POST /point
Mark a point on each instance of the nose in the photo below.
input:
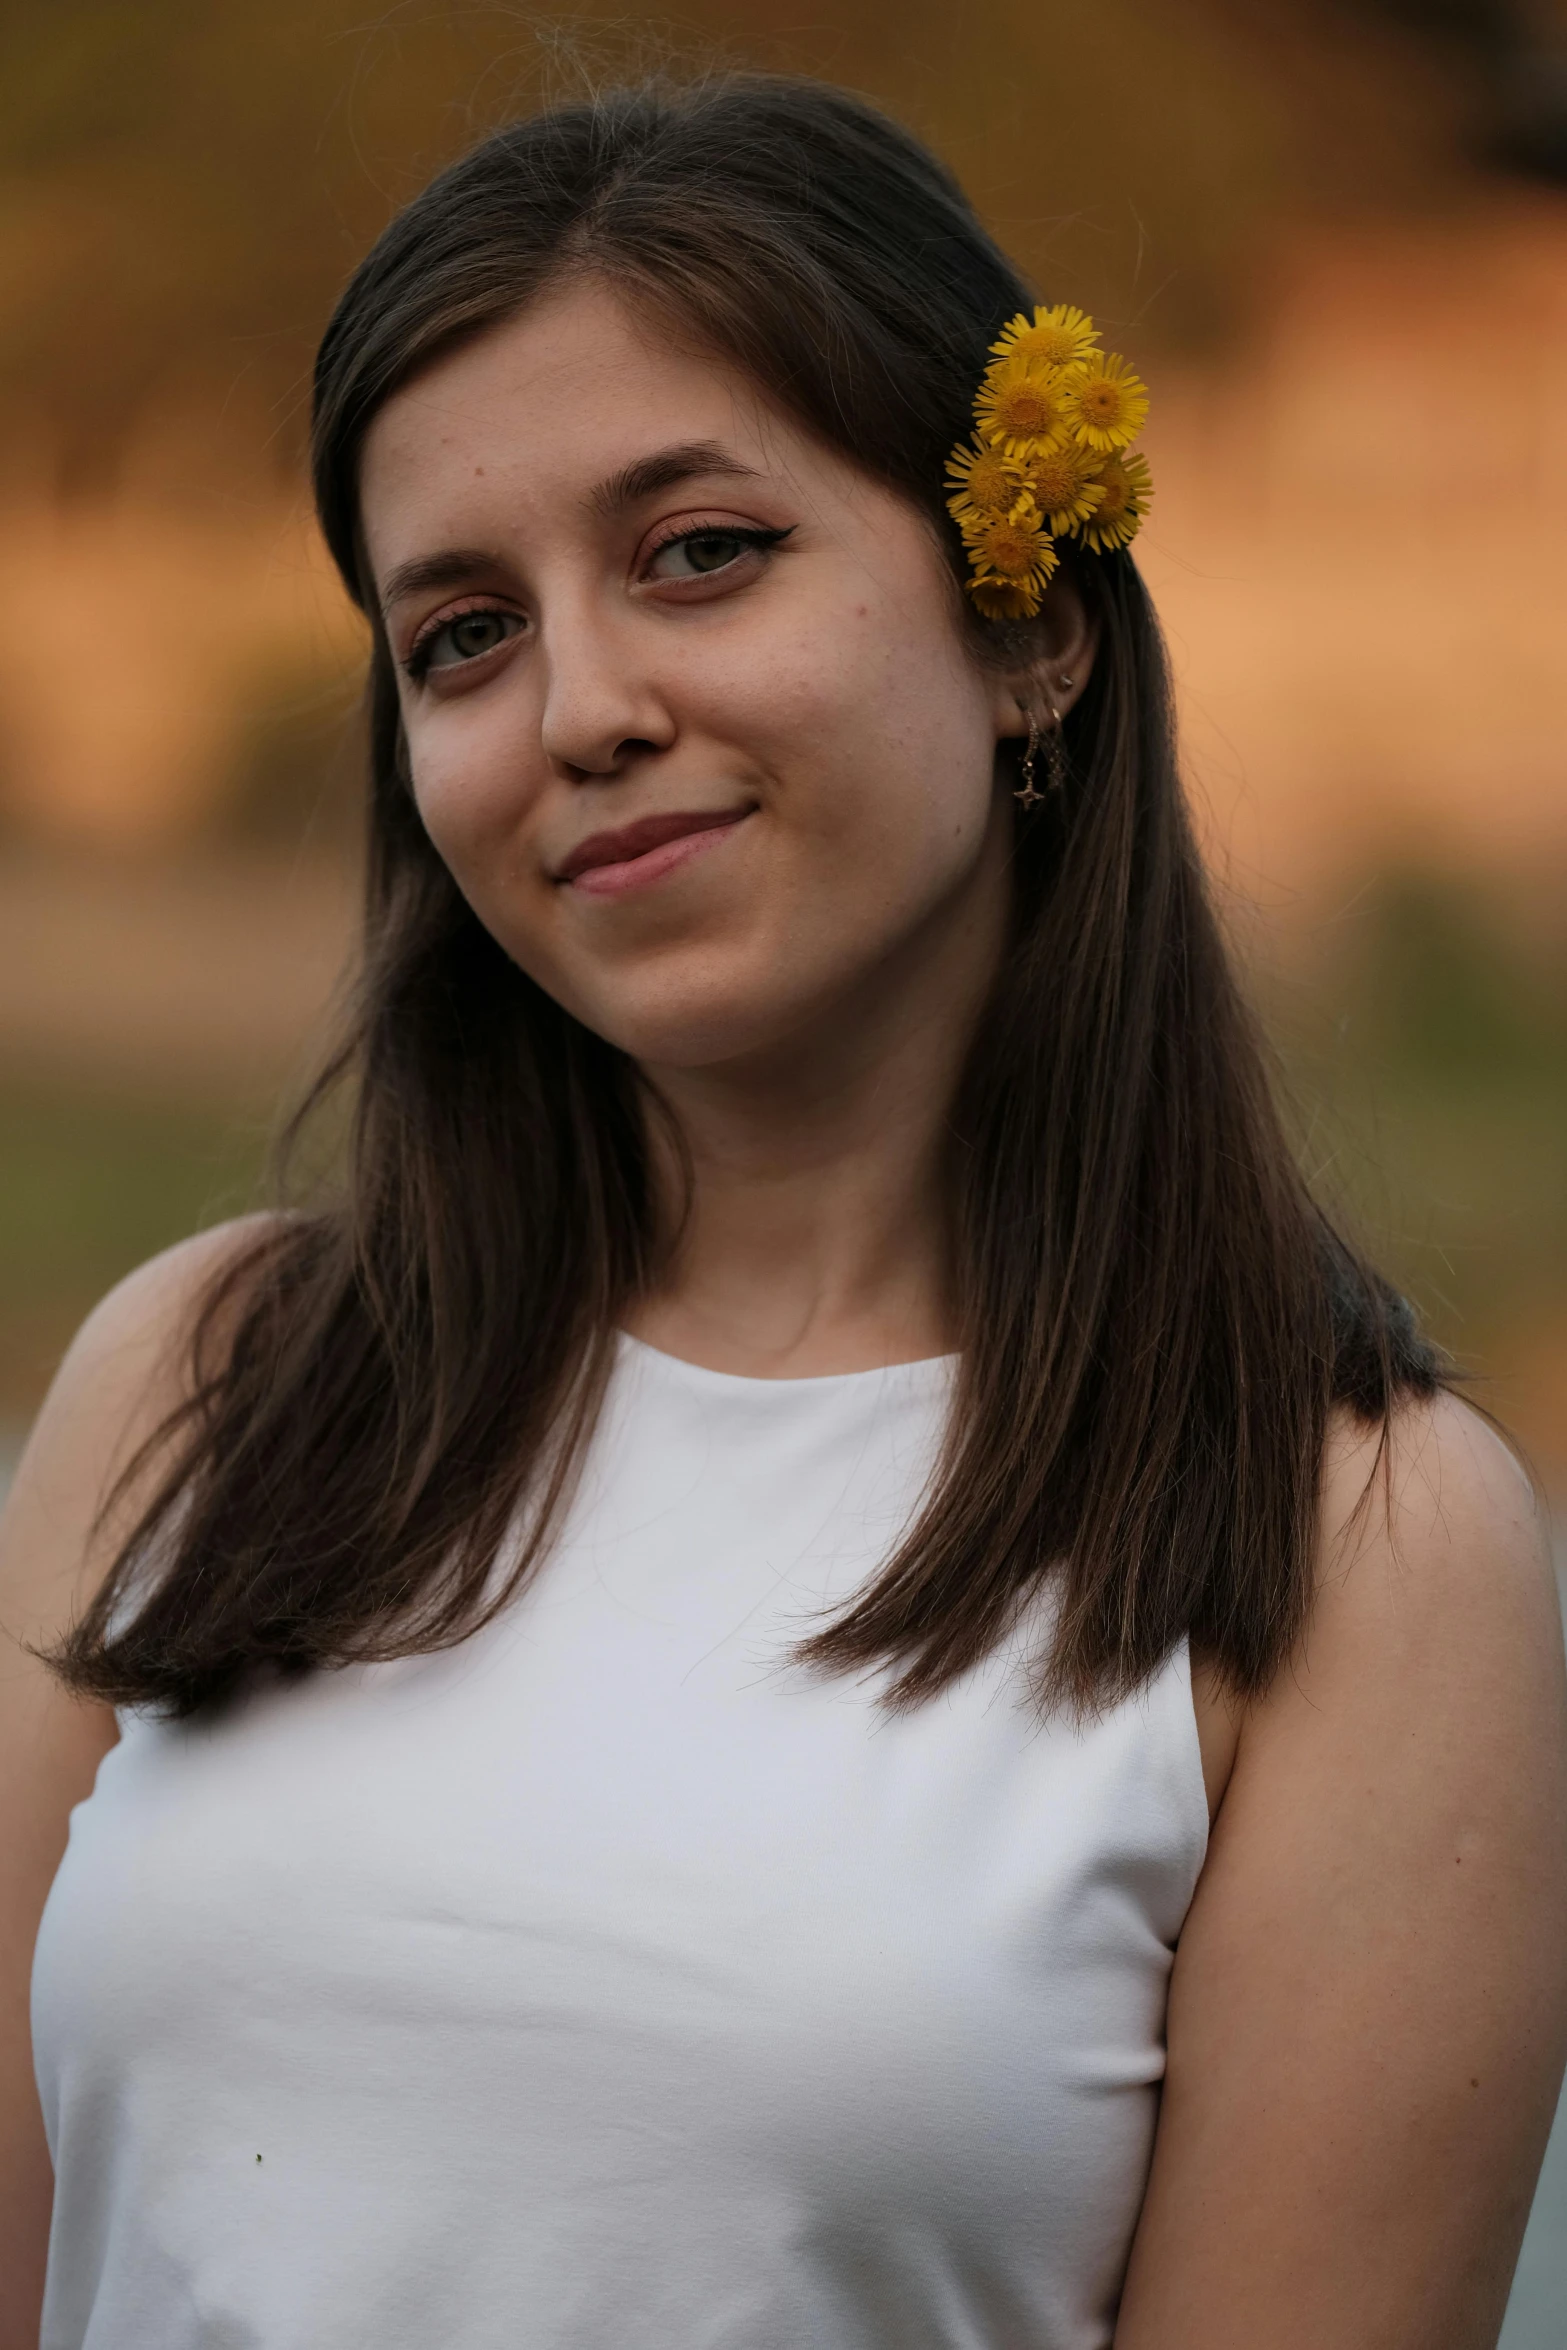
(600, 712)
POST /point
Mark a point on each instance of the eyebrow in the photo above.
(681, 461)
(663, 469)
(436, 571)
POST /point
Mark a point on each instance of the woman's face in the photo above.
(689, 711)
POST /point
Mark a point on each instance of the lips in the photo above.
(611, 854)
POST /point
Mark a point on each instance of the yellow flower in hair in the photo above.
(1116, 520)
(1062, 337)
(1004, 603)
(1014, 550)
(1018, 405)
(1064, 484)
(1051, 458)
(1106, 404)
(985, 481)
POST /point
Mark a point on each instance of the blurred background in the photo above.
(1332, 232)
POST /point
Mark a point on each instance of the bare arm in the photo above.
(116, 1383)
(1368, 2015)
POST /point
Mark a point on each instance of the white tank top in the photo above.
(608, 1982)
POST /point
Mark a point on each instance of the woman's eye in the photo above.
(701, 552)
(464, 639)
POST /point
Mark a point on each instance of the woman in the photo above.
(692, 1648)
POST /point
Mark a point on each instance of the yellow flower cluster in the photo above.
(1051, 457)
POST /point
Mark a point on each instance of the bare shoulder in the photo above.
(120, 1378)
(1434, 1560)
(1446, 1476)
(1426, 1702)
(1431, 1541)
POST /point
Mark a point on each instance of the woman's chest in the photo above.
(565, 1866)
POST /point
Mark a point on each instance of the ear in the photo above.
(1064, 638)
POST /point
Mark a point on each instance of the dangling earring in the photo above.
(1030, 795)
(1055, 751)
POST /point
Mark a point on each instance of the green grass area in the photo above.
(1426, 1055)
(91, 1183)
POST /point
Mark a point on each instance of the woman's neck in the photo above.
(824, 1252)
(817, 1238)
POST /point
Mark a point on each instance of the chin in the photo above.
(721, 1011)
(701, 1035)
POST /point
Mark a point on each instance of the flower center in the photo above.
(988, 484)
(1026, 408)
(1011, 552)
(1054, 481)
(1053, 344)
(1101, 401)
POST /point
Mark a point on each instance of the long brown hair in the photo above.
(1156, 1321)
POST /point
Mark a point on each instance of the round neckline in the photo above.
(754, 1383)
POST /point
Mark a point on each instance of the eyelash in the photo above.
(755, 537)
(758, 539)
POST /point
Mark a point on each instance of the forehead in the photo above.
(546, 406)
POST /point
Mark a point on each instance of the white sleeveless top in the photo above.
(609, 1983)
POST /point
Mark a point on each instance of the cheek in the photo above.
(878, 738)
(892, 753)
(872, 716)
(474, 781)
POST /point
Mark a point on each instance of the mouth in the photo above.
(607, 864)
